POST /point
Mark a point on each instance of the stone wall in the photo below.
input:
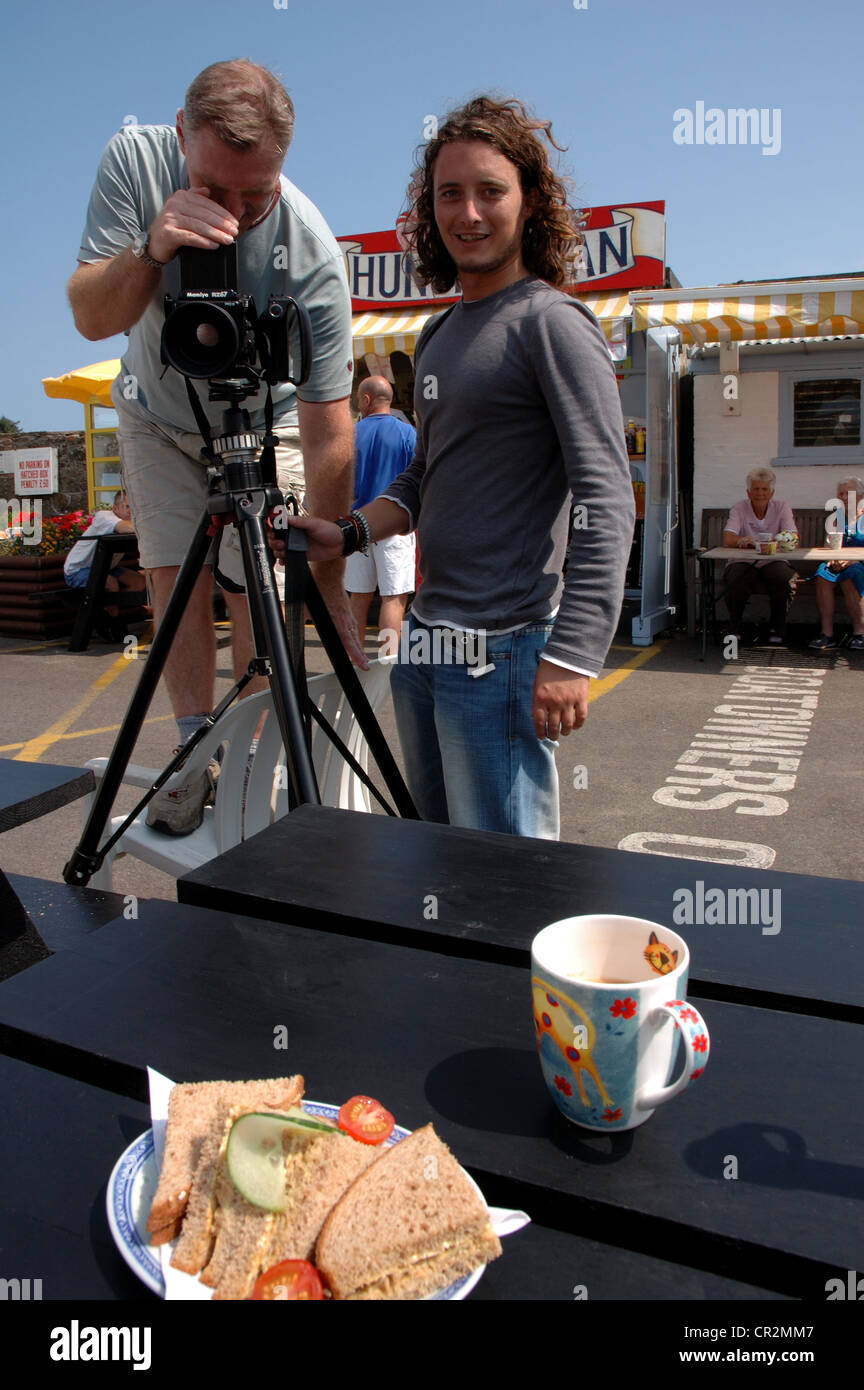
(72, 468)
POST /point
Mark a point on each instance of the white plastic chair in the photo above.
(252, 788)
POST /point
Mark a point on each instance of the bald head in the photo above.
(374, 396)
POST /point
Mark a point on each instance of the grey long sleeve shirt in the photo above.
(518, 418)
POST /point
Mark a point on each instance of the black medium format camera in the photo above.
(213, 331)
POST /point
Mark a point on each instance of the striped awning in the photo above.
(386, 333)
(613, 312)
(732, 313)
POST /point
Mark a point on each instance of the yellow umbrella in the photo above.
(84, 384)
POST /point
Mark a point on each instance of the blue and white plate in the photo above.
(134, 1180)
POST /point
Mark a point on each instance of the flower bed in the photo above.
(57, 535)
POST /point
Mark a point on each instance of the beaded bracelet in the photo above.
(366, 538)
(355, 533)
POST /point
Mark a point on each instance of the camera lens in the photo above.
(200, 340)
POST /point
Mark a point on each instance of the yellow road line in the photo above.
(32, 750)
(41, 647)
(86, 733)
(602, 687)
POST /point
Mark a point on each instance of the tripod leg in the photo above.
(85, 858)
(267, 620)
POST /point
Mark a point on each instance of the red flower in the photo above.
(697, 1072)
(623, 1008)
(689, 1016)
(563, 1085)
(611, 1115)
(700, 1043)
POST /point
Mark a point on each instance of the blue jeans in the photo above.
(472, 757)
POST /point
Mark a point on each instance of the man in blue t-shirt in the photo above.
(384, 447)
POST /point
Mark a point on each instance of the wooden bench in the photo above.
(810, 522)
(92, 600)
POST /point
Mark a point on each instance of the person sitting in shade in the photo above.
(76, 570)
(847, 576)
(759, 514)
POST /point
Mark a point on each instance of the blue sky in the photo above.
(363, 76)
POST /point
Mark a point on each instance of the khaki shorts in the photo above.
(166, 482)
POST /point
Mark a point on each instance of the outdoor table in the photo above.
(473, 893)
(652, 1213)
(28, 791)
(816, 554)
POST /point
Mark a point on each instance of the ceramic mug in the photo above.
(609, 1010)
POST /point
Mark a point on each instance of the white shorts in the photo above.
(389, 567)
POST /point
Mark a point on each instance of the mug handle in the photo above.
(696, 1048)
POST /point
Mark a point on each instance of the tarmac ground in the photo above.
(748, 759)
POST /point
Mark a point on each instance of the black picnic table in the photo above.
(28, 791)
(746, 1189)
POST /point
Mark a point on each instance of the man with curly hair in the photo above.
(518, 416)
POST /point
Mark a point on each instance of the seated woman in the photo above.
(845, 575)
(757, 514)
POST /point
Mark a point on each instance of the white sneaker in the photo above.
(180, 809)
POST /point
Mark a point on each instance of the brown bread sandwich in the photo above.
(408, 1226)
(192, 1111)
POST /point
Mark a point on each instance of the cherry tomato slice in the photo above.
(288, 1280)
(365, 1119)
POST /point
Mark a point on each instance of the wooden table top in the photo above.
(484, 895)
(29, 790)
(813, 552)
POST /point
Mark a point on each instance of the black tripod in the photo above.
(242, 489)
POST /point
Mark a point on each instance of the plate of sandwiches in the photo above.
(400, 1219)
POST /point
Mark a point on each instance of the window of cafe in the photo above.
(820, 416)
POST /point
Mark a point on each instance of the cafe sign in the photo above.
(625, 248)
(35, 470)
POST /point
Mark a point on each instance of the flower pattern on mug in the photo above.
(563, 1085)
(623, 1008)
(700, 1043)
(611, 1115)
(697, 1072)
(689, 1016)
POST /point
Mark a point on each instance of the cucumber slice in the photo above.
(255, 1154)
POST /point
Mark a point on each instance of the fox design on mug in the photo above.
(552, 1022)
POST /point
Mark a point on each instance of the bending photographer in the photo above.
(213, 179)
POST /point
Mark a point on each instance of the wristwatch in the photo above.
(139, 251)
